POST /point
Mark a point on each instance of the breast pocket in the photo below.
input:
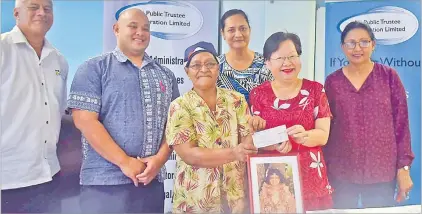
(165, 90)
(55, 79)
(59, 86)
(164, 96)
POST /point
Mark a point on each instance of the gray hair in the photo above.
(19, 3)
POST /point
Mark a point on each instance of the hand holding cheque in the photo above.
(270, 139)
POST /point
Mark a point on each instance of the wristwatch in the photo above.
(407, 168)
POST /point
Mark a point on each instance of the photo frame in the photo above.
(275, 184)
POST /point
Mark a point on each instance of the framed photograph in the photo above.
(274, 184)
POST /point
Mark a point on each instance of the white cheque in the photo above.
(270, 137)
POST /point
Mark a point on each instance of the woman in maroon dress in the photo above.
(302, 106)
(369, 149)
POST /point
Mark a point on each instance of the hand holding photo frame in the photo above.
(274, 184)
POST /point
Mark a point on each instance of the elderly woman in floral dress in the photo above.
(208, 129)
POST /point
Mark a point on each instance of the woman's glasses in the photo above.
(281, 60)
(209, 65)
(362, 44)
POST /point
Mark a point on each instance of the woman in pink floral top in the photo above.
(302, 106)
(369, 146)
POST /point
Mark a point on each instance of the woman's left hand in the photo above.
(299, 134)
(404, 182)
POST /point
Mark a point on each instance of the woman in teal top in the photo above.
(241, 69)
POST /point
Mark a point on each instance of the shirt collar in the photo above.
(121, 57)
(200, 102)
(19, 37)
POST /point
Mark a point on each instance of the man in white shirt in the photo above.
(32, 102)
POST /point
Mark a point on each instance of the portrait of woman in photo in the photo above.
(275, 195)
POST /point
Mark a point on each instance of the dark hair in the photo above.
(268, 172)
(232, 12)
(274, 41)
(272, 171)
(357, 25)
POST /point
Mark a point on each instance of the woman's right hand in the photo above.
(270, 148)
(284, 147)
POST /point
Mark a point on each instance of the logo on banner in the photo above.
(391, 25)
(170, 20)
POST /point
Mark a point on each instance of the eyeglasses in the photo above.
(281, 60)
(209, 65)
(362, 44)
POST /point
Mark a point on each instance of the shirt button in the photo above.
(46, 122)
(42, 83)
(45, 103)
(45, 141)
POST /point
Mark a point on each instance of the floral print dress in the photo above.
(209, 190)
(310, 104)
(277, 199)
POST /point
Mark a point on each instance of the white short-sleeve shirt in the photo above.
(32, 102)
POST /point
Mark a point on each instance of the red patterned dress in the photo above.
(310, 104)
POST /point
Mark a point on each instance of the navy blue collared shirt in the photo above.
(132, 103)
